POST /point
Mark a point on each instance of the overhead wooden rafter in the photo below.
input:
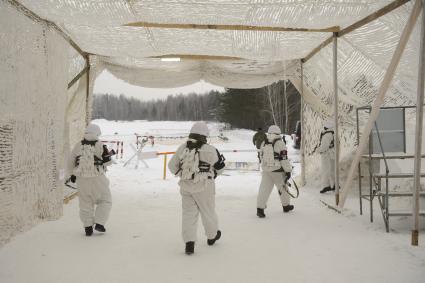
(229, 27)
(381, 12)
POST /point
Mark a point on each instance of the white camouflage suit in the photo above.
(198, 198)
(271, 178)
(327, 156)
(93, 187)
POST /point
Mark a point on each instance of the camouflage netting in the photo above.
(34, 77)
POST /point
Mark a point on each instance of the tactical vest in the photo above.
(88, 164)
(192, 168)
(269, 157)
(331, 145)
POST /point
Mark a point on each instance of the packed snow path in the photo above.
(143, 241)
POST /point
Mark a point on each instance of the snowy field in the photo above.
(143, 241)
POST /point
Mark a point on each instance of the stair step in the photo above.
(396, 175)
(404, 213)
(400, 194)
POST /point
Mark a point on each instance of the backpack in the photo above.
(324, 133)
(192, 168)
(88, 164)
(269, 157)
(259, 138)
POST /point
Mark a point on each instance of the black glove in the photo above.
(288, 175)
(73, 178)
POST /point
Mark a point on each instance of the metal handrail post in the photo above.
(387, 171)
(370, 181)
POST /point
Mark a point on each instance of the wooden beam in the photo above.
(379, 100)
(68, 198)
(88, 92)
(229, 27)
(336, 127)
(381, 12)
(198, 57)
(77, 77)
(418, 132)
(30, 14)
(317, 49)
(302, 146)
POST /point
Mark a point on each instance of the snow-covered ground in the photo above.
(143, 242)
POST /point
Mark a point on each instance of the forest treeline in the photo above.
(241, 108)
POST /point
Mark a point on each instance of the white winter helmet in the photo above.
(93, 130)
(200, 128)
(329, 124)
(273, 129)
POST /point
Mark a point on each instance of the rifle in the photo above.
(293, 191)
(68, 185)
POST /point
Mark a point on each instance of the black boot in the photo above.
(100, 228)
(89, 230)
(326, 189)
(333, 188)
(190, 248)
(288, 208)
(212, 241)
(260, 212)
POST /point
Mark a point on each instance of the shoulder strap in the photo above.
(327, 131)
(275, 141)
(86, 142)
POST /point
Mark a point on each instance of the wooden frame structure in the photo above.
(336, 33)
(379, 100)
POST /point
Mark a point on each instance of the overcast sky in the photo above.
(107, 83)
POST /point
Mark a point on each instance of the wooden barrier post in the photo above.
(165, 167)
(122, 149)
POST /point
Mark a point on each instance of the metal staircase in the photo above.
(383, 195)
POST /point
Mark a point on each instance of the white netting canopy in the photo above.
(98, 27)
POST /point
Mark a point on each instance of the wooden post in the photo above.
(379, 100)
(122, 149)
(303, 181)
(165, 167)
(336, 137)
(87, 91)
(418, 132)
(285, 97)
